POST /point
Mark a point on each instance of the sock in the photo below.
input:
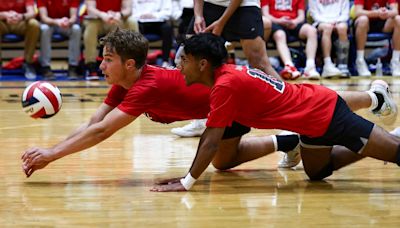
(380, 101)
(374, 100)
(360, 54)
(310, 63)
(286, 143)
(396, 55)
(327, 60)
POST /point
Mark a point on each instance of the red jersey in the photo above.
(58, 9)
(254, 99)
(281, 8)
(162, 95)
(374, 4)
(18, 6)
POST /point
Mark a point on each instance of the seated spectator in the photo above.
(329, 17)
(376, 16)
(154, 17)
(287, 19)
(60, 17)
(103, 16)
(18, 17)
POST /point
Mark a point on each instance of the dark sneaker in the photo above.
(29, 71)
(48, 73)
(92, 72)
(73, 73)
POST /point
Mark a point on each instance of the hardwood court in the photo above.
(108, 185)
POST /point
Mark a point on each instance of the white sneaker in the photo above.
(395, 67)
(291, 158)
(193, 129)
(388, 111)
(396, 132)
(329, 70)
(362, 68)
(311, 73)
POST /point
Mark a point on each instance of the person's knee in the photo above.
(362, 22)
(221, 165)
(317, 175)
(280, 36)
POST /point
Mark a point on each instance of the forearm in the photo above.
(73, 15)
(232, 7)
(198, 8)
(126, 8)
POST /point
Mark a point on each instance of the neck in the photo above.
(131, 78)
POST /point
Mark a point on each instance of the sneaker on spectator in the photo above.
(193, 129)
(396, 132)
(73, 73)
(29, 71)
(329, 70)
(345, 70)
(311, 73)
(92, 72)
(362, 68)
(289, 72)
(388, 111)
(48, 73)
(395, 67)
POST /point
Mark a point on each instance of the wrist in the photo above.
(188, 181)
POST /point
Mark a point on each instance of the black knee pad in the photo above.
(398, 156)
(324, 172)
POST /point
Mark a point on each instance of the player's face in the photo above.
(112, 66)
(189, 67)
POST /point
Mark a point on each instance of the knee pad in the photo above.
(398, 156)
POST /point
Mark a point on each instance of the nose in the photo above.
(102, 67)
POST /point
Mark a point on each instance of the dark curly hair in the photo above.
(207, 46)
(127, 44)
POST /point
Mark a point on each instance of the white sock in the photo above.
(310, 63)
(360, 54)
(327, 60)
(275, 141)
(374, 100)
(396, 55)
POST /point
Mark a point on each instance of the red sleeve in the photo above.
(30, 2)
(223, 107)
(358, 2)
(40, 3)
(263, 3)
(302, 5)
(75, 4)
(115, 96)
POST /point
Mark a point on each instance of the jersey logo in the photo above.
(277, 84)
(283, 5)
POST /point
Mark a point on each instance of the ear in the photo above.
(203, 64)
(130, 64)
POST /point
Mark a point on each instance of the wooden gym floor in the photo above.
(108, 185)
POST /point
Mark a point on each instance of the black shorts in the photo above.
(346, 128)
(245, 23)
(236, 130)
(374, 26)
(289, 32)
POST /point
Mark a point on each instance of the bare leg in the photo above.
(356, 100)
(235, 151)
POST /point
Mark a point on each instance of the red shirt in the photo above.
(374, 4)
(18, 6)
(162, 95)
(254, 99)
(106, 5)
(280, 8)
(58, 8)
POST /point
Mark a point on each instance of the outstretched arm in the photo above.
(208, 146)
(38, 158)
(218, 26)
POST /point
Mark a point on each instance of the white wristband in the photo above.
(188, 181)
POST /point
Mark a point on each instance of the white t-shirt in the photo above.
(329, 11)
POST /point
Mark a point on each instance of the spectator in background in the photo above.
(103, 16)
(287, 19)
(332, 16)
(60, 17)
(376, 16)
(18, 17)
(182, 10)
(154, 16)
